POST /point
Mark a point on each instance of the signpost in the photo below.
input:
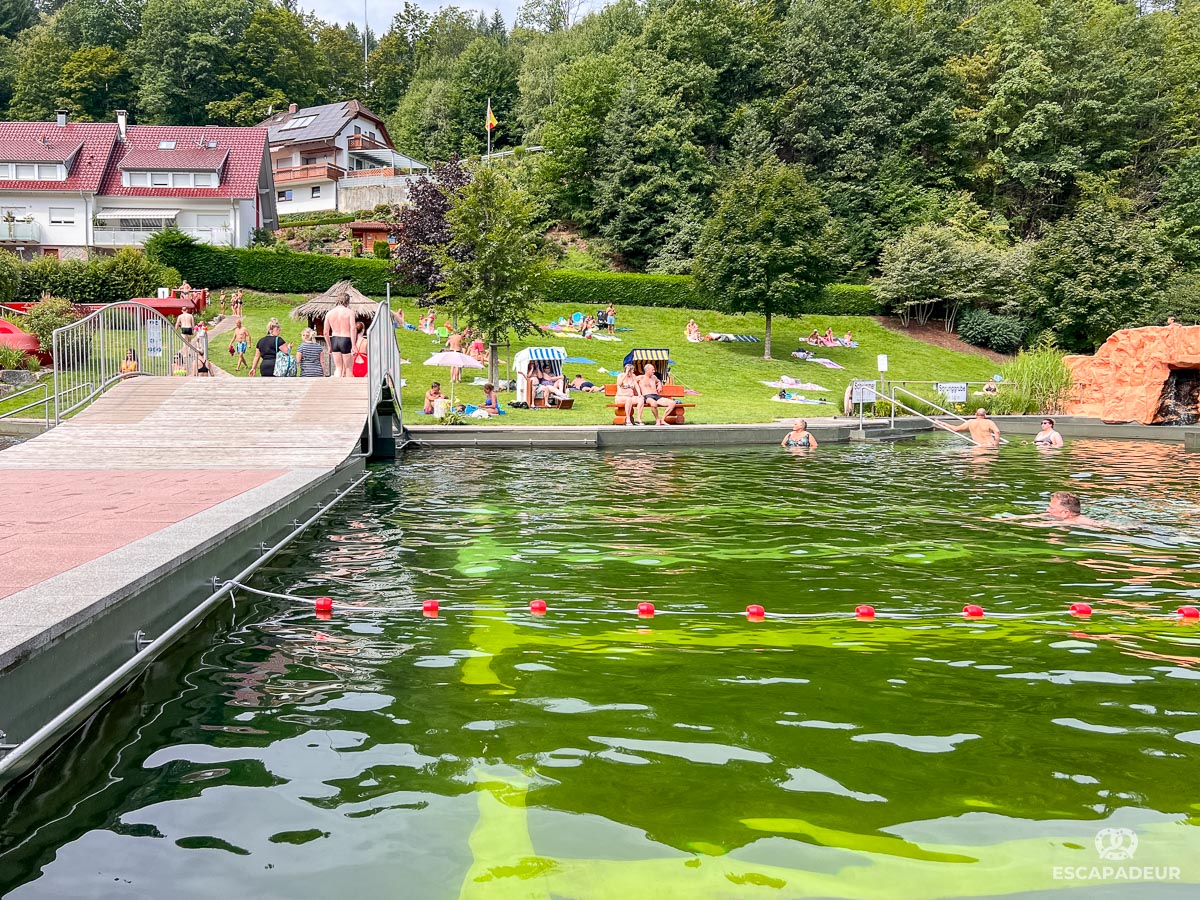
(862, 393)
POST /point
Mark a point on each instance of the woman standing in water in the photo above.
(799, 438)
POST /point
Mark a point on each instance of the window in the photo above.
(205, 179)
(284, 195)
(298, 122)
(50, 251)
(5, 170)
(48, 173)
(308, 161)
(26, 172)
(166, 145)
(211, 221)
(316, 191)
(358, 129)
(62, 215)
(138, 179)
(160, 179)
(181, 179)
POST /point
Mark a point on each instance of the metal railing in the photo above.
(119, 341)
(126, 237)
(44, 402)
(927, 402)
(383, 366)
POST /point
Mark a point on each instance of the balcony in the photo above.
(317, 172)
(362, 142)
(20, 232)
(116, 237)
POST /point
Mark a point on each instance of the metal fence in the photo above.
(121, 340)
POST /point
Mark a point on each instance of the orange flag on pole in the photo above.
(490, 121)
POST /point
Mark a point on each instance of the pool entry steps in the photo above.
(119, 526)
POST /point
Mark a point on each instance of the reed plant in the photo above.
(1038, 382)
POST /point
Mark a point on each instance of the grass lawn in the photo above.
(7, 404)
(727, 376)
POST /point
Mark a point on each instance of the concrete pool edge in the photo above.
(835, 430)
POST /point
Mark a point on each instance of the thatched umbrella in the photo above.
(317, 308)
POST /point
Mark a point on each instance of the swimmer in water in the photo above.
(799, 438)
(1047, 437)
(983, 431)
(1064, 509)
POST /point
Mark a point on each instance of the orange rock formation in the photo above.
(1124, 381)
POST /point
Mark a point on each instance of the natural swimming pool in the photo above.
(488, 753)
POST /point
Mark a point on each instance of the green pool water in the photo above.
(489, 754)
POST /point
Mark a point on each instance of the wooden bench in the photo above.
(674, 391)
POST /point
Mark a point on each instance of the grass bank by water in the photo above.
(726, 375)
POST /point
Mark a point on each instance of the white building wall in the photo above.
(302, 199)
(38, 205)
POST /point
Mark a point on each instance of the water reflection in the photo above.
(488, 753)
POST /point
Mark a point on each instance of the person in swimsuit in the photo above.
(1047, 437)
(129, 364)
(203, 369)
(651, 384)
(240, 344)
(339, 332)
(186, 323)
(491, 403)
(629, 391)
(579, 383)
(983, 431)
(610, 316)
(236, 303)
(434, 393)
(799, 438)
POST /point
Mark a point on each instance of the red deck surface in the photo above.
(54, 520)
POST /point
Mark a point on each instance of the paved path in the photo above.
(136, 479)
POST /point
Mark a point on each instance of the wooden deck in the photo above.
(208, 423)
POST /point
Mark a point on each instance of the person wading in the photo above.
(339, 331)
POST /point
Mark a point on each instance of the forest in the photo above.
(1021, 168)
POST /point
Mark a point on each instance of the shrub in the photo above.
(847, 300)
(984, 329)
(356, 248)
(46, 315)
(11, 357)
(106, 279)
(10, 276)
(382, 250)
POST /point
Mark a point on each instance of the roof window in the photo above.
(298, 122)
(166, 145)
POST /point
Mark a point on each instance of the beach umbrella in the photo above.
(454, 360)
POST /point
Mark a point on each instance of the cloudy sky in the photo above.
(380, 12)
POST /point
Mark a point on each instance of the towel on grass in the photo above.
(727, 337)
(827, 363)
(805, 400)
(790, 383)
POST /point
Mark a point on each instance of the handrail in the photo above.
(44, 402)
(11, 309)
(928, 402)
(383, 366)
(896, 403)
(89, 354)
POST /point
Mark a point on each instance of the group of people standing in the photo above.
(340, 352)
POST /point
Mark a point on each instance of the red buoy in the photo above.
(537, 607)
(1189, 612)
(1081, 609)
(971, 611)
(645, 610)
(864, 611)
(755, 612)
(429, 606)
(324, 604)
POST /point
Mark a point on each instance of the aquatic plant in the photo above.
(1037, 382)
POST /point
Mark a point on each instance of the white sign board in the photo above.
(863, 392)
(953, 391)
(881, 362)
(154, 338)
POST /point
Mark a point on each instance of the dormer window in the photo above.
(169, 179)
(33, 171)
(166, 145)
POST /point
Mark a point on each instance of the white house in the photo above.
(67, 187)
(336, 157)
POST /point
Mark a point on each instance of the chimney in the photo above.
(61, 115)
(122, 121)
(292, 107)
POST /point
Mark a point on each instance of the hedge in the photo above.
(106, 279)
(275, 271)
(301, 219)
(598, 289)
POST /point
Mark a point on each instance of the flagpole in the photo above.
(487, 126)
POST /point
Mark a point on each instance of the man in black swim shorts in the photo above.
(651, 384)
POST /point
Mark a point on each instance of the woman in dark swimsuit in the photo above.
(799, 438)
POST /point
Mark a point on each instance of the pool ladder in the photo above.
(932, 421)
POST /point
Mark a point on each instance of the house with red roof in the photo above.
(67, 188)
(337, 156)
